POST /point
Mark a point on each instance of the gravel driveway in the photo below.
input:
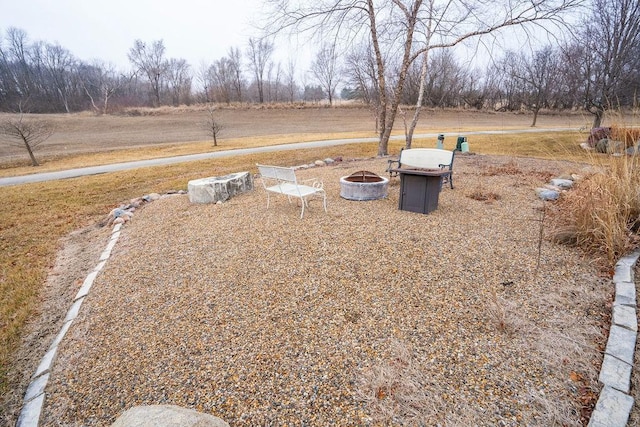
(364, 315)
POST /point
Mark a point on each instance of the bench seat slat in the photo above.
(294, 190)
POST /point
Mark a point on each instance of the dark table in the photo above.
(420, 189)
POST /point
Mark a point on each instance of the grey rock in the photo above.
(319, 163)
(151, 197)
(615, 373)
(612, 409)
(626, 317)
(626, 290)
(30, 413)
(36, 388)
(329, 160)
(621, 344)
(219, 188)
(546, 194)
(622, 273)
(562, 183)
(117, 213)
(166, 416)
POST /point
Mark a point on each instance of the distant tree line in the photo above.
(595, 70)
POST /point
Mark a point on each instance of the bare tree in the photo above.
(535, 76)
(612, 38)
(179, 80)
(399, 26)
(100, 83)
(60, 66)
(222, 80)
(212, 125)
(150, 61)
(361, 73)
(25, 133)
(204, 78)
(290, 81)
(259, 52)
(325, 69)
(235, 64)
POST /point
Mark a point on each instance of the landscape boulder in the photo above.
(219, 188)
(166, 416)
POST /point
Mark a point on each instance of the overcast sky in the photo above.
(196, 30)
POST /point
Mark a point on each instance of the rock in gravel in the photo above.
(546, 194)
(166, 416)
(562, 183)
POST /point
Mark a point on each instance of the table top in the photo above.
(425, 172)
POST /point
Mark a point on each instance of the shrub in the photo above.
(630, 136)
(602, 213)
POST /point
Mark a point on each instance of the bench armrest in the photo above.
(314, 182)
(390, 166)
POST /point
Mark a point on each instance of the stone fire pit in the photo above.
(363, 185)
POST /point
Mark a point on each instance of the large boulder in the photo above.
(219, 188)
(166, 416)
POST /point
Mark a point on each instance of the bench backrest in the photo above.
(426, 158)
(278, 173)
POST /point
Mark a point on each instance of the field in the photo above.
(85, 133)
(38, 217)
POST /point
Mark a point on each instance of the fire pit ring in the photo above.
(363, 185)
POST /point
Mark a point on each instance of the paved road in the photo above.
(115, 167)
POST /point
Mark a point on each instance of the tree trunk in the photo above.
(598, 115)
(383, 145)
(382, 86)
(34, 162)
(535, 117)
(416, 114)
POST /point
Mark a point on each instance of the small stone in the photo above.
(329, 160)
(117, 213)
(562, 183)
(319, 163)
(546, 194)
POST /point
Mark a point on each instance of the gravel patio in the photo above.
(364, 315)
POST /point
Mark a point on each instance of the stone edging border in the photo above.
(615, 403)
(612, 409)
(34, 397)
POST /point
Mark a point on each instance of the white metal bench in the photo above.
(281, 180)
(424, 158)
